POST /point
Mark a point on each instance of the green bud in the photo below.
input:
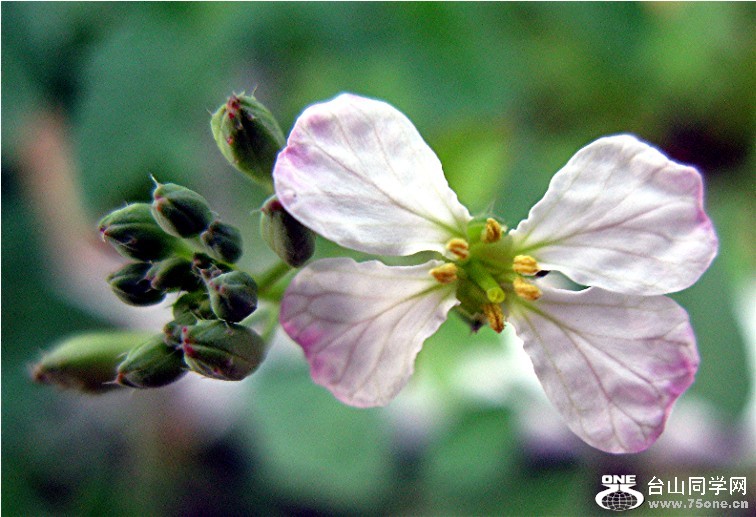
(220, 350)
(223, 242)
(86, 362)
(173, 274)
(172, 331)
(180, 211)
(134, 233)
(151, 365)
(191, 307)
(293, 242)
(204, 265)
(132, 286)
(248, 136)
(233, 295)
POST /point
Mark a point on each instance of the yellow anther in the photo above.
(525, 265)
(526, 290)
(445, 274)
(459, 248)
(492, 232)
(495, 316)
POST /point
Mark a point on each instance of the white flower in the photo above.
(619, 217)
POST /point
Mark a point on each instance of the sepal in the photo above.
(172, 274)
(180, 211)
(132, 285)
(233, 295)
(86, 362)
(223, 351)
(293, 242)
(152, 364)
(135, 234)
(248, 136)
(222, 241)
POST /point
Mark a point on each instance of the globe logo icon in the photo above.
(619, 496)
(619, 501)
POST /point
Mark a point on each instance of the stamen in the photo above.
(495, 316)
(525, 265)
(459, 248)
(526, 290)
(445, 274)
(492, 232)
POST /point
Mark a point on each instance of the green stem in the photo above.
(270, 277)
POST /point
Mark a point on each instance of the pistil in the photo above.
(485, 281)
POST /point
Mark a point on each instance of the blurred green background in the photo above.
(97, 96)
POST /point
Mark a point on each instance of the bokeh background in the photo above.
(98, 96)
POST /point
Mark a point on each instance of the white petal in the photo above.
(622, 216)
(612, 364)
(356, 171)
(362, 324)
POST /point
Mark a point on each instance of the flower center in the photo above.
(488, 276)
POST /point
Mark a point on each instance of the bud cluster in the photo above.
(178, 246)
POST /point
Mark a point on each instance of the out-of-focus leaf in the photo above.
(144, 109)
(465, 470)
(475, 157)
(444, 351)
(315, 449)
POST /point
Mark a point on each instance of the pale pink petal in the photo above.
(362, 324)
(612, 364)
(356, 171)
(622, 216)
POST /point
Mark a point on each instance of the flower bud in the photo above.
(172, 331)
(220, 350)
(86, 362)
(172, 274)
(151, 365)
(191, 307)
(204, 265)
(293, 242)
(134, 233)
(233, 295)
(223, 242)
(248, 136)
(180, 211)
(132, 286)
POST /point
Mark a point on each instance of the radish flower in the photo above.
(619, 217)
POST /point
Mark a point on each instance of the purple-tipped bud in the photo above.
(135, 234)
(173, 274)
(204, 265)
(248, 136)
(223, 242)
(191, 307)
(220, 350)
(132, 285)
(152, 364)
(293, 242)
(233, 295)
(180, 211)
